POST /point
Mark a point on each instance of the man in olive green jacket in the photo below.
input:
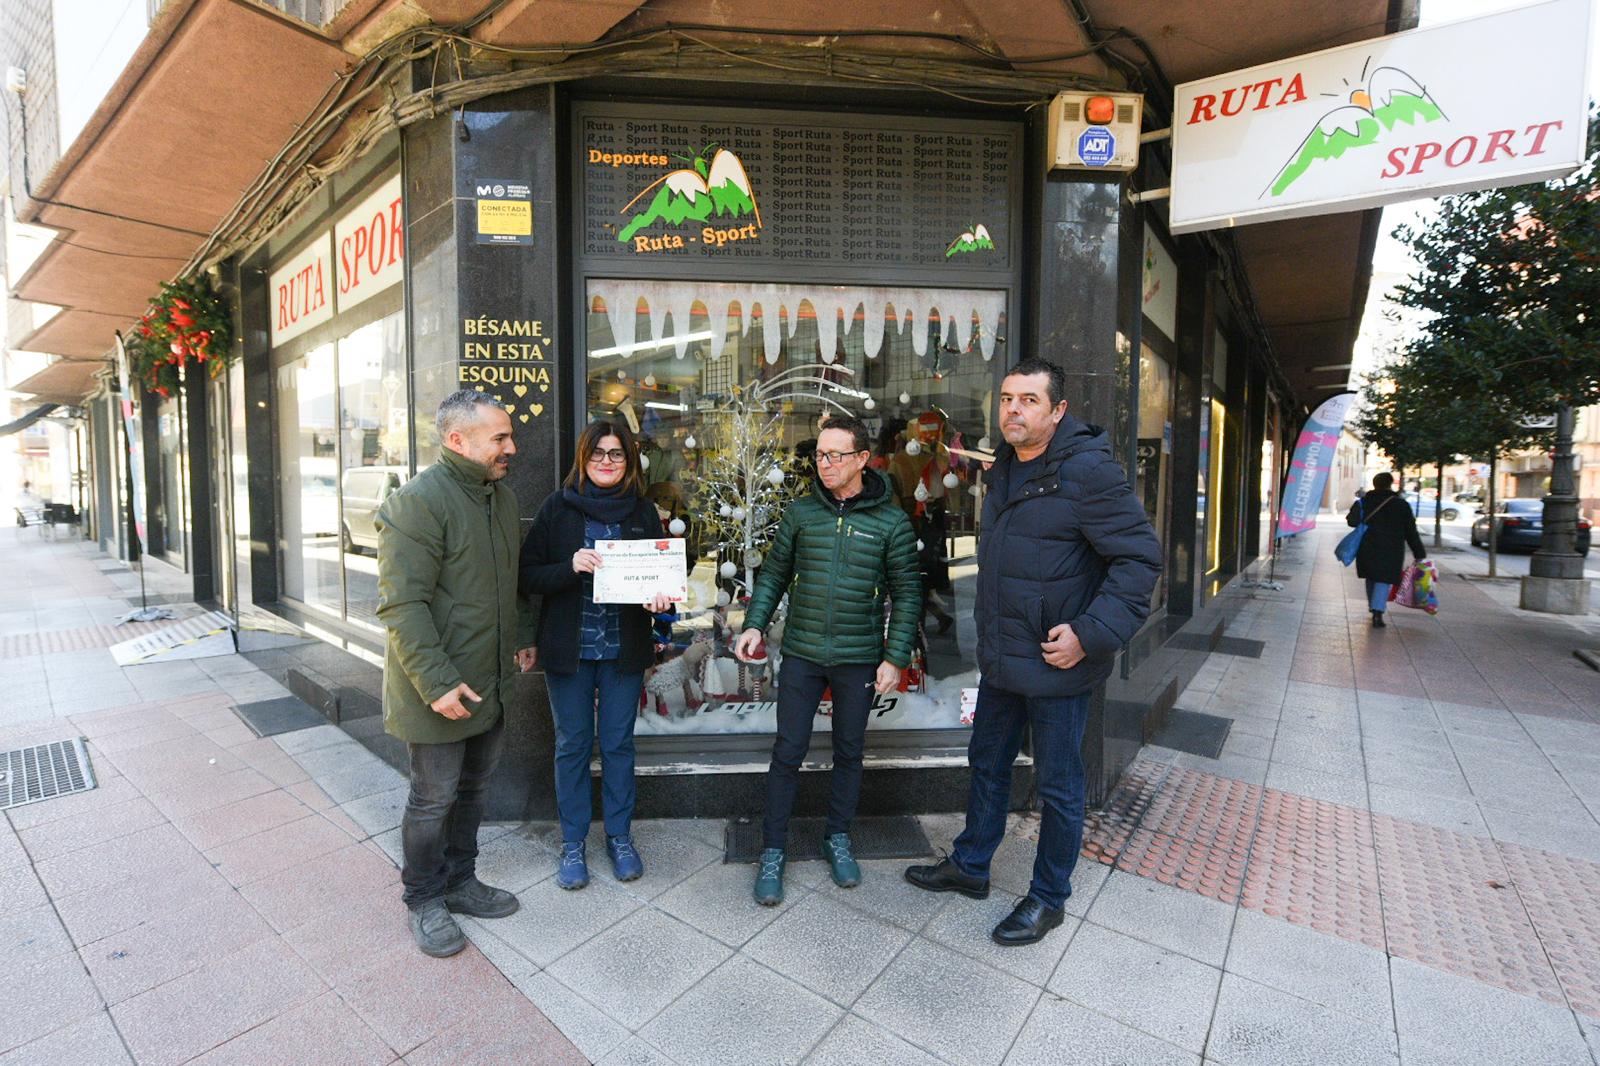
(447, 592)
(836, 554)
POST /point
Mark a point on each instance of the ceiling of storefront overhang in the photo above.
(261, 75)
(209, 98)
(66, 381)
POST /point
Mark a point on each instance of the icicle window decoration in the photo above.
(965, 317)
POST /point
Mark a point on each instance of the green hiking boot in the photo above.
(846, 871)
(769, 882)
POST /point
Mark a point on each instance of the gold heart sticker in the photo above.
(523, 417)
(520, 390)
(536, 408)
(511, 408)
(544, 386)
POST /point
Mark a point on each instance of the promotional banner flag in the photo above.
(130, 427)
(1313, 457)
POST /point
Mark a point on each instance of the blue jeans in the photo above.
(1378, 595)
(1057, 724)
(597, 690)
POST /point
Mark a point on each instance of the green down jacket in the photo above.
(836, 561)
(447, 593)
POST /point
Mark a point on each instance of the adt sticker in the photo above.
(1096, 146)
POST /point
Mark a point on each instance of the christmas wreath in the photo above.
(189, 321)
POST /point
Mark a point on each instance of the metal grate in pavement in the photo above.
(882, 837)
(44, 771)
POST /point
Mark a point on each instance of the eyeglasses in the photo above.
(612, 455)
(834, 458)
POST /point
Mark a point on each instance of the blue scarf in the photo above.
(611, 506)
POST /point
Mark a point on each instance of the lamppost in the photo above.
(1555, 581)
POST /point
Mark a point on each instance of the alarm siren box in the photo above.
(1095, 131)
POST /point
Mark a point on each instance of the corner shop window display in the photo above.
(726, 385)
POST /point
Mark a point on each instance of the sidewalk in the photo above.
(1395, 859)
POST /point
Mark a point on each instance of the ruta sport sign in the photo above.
(1491, 101)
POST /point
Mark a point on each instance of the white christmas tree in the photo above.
(746, 477)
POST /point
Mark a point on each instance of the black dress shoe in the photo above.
(1027, 924)
(944, 876)
(1377, 620)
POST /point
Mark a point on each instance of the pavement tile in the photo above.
(1165, 916)
(1166, 995)
(636, 1052)
(109, 792)
(276, 849)
(161, 732)
(717, 901)
(1443, 1018)
(231, 735)
(965, 925)
(408, 998)
(1323, 969)
(173, 943)
(1064, 1033)
(158, 849)
(107, 909)
(32, 935)
(178, 798)
(1345, 790)
(56, 838)
(854, 1041)
(552, 921)
(518, 1034)
(90, 1041)
(323, 1030)
(827, 947)
(670, 853)
(379, 812)
(1580, 840)
(20, 890)
(639, 965)
(1260, 1026)
(517, 860)
(741, 1014)
(44, 995)
(294, 896)
(234, 821)
(174, 1022)
(946, 1003)
(310, 793)
(263, 755)
(348, 771)
(883, 893)
(341, 943)
(591, 1031)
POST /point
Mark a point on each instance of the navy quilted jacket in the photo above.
(1071, 545)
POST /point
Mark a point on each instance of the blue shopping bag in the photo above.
(1345, 551)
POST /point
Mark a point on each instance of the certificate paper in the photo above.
(633, 571)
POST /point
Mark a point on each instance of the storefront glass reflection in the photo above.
(375, 449)
(1154, 468)
(677, 360)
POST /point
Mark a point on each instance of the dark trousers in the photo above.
(800, 686)
(439, 830)
(1057, 724)
(596, 692)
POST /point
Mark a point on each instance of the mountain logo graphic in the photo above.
(1391, 98)
(975, 239)
(695, 193)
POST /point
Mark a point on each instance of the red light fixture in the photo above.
(1100, 110)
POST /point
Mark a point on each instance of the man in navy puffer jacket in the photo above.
(1067, 561)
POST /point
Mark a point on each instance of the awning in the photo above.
(65, 382)
(27, 420)
(209, 97)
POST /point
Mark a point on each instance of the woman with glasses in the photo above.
(594, 654)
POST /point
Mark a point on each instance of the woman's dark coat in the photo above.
(546, 570)
(1382, 556)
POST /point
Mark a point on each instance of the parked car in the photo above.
(1522, 526)
(1424, 507)
(365, 489)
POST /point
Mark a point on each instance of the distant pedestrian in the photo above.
(594, 654)
(838, 551)
(1067, 561)
(457, 633)
(1391, 527)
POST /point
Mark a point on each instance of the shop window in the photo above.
(1154, 470)
(309, 480)
(375, 450)
(171, 452)
(919, 365)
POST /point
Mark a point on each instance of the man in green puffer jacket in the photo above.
(457, 633)
(837, 553)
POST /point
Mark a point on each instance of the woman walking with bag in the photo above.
(1391, 527)
(594, 654)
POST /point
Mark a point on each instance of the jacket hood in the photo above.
(874, 491)
(1072, 436)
